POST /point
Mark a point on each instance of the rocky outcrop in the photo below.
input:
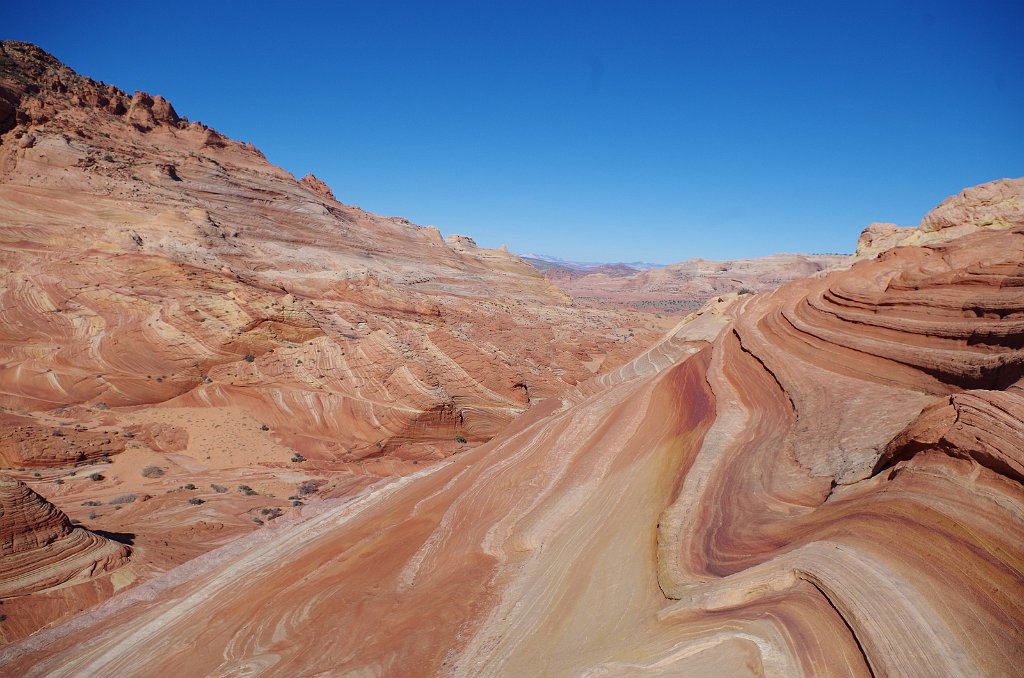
(996, 205)
(146, 112)
(314, 184)
(39, 547)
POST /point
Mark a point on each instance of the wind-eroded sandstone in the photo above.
(40, 549)
(823, 479)
(183, 322)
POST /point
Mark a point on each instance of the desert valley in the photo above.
(246, 428)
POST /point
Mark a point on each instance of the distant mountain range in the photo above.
(587, 265)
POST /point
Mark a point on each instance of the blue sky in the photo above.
(601, 131)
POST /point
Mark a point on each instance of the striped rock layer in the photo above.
(39, 547)
(146, 259)
(824, 479)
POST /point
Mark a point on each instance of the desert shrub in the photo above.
(307, 487)
(92, 515)
(96, 476)
(219, 489)
(296, 502)
(264, 427)
(297, 458)
(461, 440)
(196, 501)
(91, 503)
(58, 481)
(190, 486)
(246, 490)
(124, 499)
(745, 290)
(249, 357)
(152, 471)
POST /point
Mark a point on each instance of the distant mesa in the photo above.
(678, 288)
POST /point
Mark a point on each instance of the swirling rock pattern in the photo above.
(824, 479)
(180, 319)
(40, 549)
(147, 260)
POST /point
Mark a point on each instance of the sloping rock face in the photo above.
(687, 285)
(148, 260)
(824, 479)
(170, 300)
(40, 549)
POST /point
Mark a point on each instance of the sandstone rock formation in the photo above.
(170, 299)
(822, 479)
(149, 260)
(682, 287)
(997, 205)
(40, 549)
(314, 184)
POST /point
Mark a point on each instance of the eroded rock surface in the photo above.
(820, 479)
(188, 334)
(40, 548)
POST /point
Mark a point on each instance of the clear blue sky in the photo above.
(651, 131)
